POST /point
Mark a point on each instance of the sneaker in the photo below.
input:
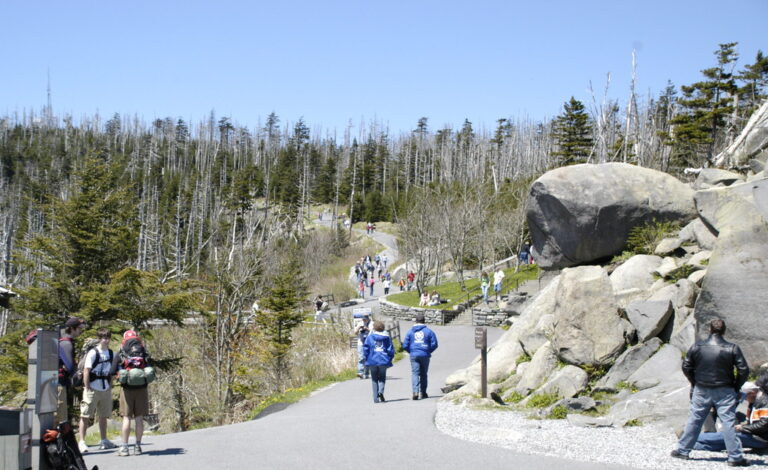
(676, 454)
(83, 447)
(739, 463)
(137, 449)
(123, 452)
(424, 395)
(415, 396)
(381, 397)
(107, 444)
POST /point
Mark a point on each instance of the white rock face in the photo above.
(542, 364)
(588, 328)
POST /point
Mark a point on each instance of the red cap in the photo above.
(130, 334)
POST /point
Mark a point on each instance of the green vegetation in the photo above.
(542, 400)
(633, 422)
(572, 133)
(292, 395)
(680, 273)
(642, 240)
(515, 397)
(452, 292)
(522, 358)
(558, 412)
(624, 385)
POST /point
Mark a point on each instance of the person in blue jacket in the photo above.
(420, 342)
(378, 351)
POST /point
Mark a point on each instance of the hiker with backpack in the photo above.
(73, 328)
(97, 369)
(135, 374)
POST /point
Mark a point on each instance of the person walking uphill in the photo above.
(420, 342)
(709, 366)
(379, 353)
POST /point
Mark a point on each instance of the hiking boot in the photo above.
(137, 449)
(381, 397)
(739, 463)
(106, 444)
(415, 396)
(676, 454)
(83, 447)
(123, 452)
(424, 395)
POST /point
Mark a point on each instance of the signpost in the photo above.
(481, 343)
(43, 379)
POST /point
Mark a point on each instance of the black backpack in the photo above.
(61, 449)
(77, 378)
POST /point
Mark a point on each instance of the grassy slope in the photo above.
(452, 292)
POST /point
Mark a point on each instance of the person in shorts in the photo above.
(134, 404)
(98, 370)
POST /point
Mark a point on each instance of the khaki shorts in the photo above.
(134, 402)
(96, 402)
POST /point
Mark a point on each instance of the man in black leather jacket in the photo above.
(709, 366)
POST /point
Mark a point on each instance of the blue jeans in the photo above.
(378, 380)
(725, 400)
(371, 290)
(484, 288)
(362, 369)
(714, 441)
(419, 368)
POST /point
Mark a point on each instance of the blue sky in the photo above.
(335, 61)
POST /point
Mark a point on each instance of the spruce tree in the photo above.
(280, 313)
(572, 133)
(699, 131)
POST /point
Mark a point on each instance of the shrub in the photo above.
(515, 397)
(542, 400)
(642, 240)
(522, 358)
(558, 412)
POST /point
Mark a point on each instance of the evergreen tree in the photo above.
(699, 131)
(572, 133)
(755, 79)
(280, 313)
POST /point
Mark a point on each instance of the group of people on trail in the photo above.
(485, 282)
(376, 352)
(96, 373)
(718, 371)
(368, 270)
(525, 253)
(370, 228)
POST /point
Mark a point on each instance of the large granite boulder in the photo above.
(565, 383)
(737, 273)
(542, 364)
(696, 231)
(649, 317)
(709, 177)
(588, 328)
(661, 367)
(583, 213)
(628, 363)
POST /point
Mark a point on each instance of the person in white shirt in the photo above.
(98, 370)
(498, 277)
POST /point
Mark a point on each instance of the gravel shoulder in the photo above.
(638, 447)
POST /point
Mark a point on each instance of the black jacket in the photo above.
(710, 363)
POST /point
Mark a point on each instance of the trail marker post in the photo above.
(481, 343)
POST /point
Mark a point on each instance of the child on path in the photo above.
(401, 283)
(378, 352)
(386, 286)
(498, 278)
(361, 289)
(371, 282)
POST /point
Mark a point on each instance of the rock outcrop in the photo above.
(635, 325)
(583, 213)
(737, 272)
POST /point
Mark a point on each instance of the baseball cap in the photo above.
(74, 322)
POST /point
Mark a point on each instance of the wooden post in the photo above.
(481, 343)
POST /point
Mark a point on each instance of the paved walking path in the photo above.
(341, 428)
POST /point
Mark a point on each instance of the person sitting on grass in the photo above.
(434, 299)
(424, 301)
